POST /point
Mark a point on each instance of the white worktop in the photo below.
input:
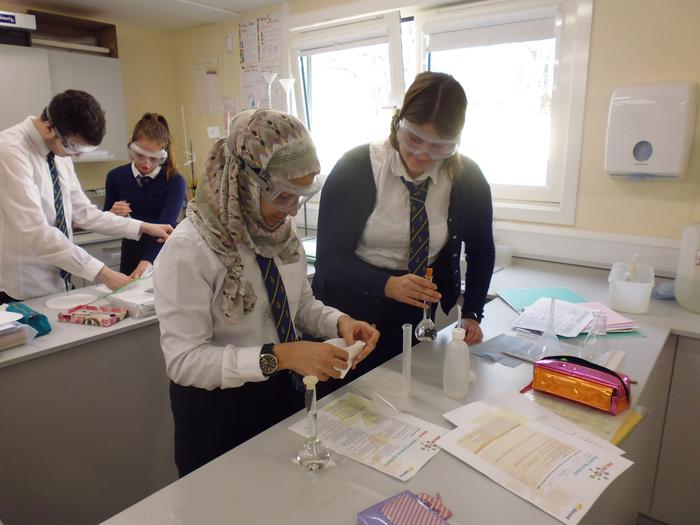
(590, 283)
(258, 483)
(67, 335)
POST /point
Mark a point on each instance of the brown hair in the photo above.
(437, 99)
(153, 126)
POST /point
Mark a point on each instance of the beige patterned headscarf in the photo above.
(226, 208)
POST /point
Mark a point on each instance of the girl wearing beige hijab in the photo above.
(231, 291)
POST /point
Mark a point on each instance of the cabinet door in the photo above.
(25, 88)
(102, 78)
(109, 252)
(677, 491)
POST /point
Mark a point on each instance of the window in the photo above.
(351, 81)
(523, 64)
(522, 68)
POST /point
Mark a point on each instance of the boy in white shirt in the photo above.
(41, 199)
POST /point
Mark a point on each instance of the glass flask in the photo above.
(595, 347)
(312, 456)
(426, 330)
(547, 344)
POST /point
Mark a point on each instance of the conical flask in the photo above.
(595, 347)
(548, 343)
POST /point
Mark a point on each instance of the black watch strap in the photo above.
(472, 315)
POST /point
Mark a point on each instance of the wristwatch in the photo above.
(472, 315)
(268, 360)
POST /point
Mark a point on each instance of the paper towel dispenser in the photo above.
(651, 130)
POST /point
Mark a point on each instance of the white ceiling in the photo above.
(164, 15)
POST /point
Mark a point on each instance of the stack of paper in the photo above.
(11, 335)
(539, 456)
(137, 297)
(616, 322)
(569, 318)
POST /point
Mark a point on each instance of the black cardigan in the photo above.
(348, 198)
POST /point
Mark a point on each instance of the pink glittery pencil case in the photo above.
(583, 382)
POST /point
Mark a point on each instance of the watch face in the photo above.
(268, 363)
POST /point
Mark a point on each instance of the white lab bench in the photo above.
(87, 431)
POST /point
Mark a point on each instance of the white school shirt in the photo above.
(385, 239)
(32, 248)
(201, 346)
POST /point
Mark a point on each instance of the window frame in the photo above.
(557, 203)
(346, 34)
(313, 38)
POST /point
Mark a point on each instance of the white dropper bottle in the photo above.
(456, 369)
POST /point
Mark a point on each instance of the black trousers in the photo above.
(4, 298)
(386, 314)
(209, 423)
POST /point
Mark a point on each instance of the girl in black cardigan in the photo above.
(368, 261)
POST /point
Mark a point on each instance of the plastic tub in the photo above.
(630, 297)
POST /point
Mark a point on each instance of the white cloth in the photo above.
(385, 239)
(203, 348)
(33, 249)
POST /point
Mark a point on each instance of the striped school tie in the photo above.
(420, 234)
(58, 205)
(280, 308)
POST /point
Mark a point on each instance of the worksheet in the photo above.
(569, 318)
(560, 470)
(398, 446)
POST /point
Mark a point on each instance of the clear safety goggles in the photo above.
(419, 142)
(70, 148)
(155, 158)
(283, 194)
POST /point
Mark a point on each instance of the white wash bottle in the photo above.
(456, 369)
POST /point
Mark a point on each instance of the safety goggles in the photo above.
(154, 158)
(70, 148)
(283, 194)
(419, 142)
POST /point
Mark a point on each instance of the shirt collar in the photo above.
(399, 170)
(35, 137)
(137, 173)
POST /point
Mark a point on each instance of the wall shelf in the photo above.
(74, 34)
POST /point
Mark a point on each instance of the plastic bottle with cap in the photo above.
(456, 368)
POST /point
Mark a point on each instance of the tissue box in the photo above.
(403, 509)
(93, 315)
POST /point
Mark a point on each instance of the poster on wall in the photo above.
(248, 38)
(207, 86)
(269, 34)
(260, 41)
